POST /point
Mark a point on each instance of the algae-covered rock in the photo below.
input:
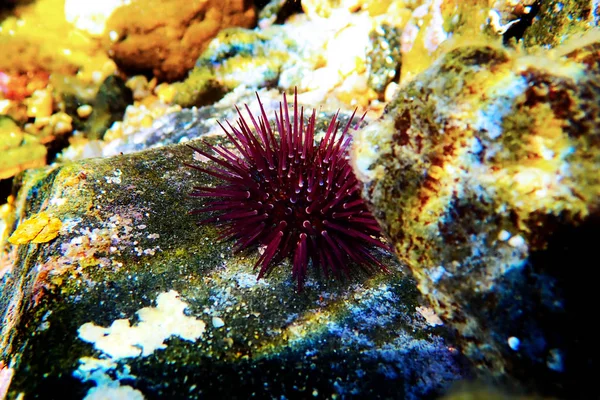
(166, 37)
(484, 173)
(542, 23)
(108, 106)
(132, 298)
(558, 20)
(303, 56)
(235, 57)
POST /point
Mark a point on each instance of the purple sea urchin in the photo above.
(296, 198)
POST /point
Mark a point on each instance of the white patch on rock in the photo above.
(517, 241)
(117, 392)
(430, 316)
(6, 375)
(504, 235)
(121, 340)
(157, 324)
(217, 322)
(514, 343)
(246, 280)
(96, 370)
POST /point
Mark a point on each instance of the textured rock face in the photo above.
(166, 37)
(484, 173)
(129, 297)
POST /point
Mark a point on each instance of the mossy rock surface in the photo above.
(128, 249)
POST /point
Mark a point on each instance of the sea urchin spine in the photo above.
(290, 195)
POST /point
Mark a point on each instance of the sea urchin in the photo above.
(295, 198)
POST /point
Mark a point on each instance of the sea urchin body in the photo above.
(295, 198)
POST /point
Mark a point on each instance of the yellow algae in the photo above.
(48, 232)
(40, 228)
(39, 104)
(23, 150)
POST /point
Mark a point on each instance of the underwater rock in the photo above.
(346, 60)
(483, 171)
(185, 124)
(542, 23)
(330, 68)
(511, 19)
(433, 22)
(93, 112)
(109, 106)
(133, 297)
(236, 57)
(166, 37)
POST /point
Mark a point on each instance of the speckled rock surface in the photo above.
(166, 37)
(133, 299)
(483, 171)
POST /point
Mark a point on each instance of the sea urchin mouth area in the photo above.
(294, 197)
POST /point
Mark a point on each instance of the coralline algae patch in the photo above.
(240, 318)
(122, 340)
(350, 322)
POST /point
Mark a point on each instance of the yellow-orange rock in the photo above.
(166, 36)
